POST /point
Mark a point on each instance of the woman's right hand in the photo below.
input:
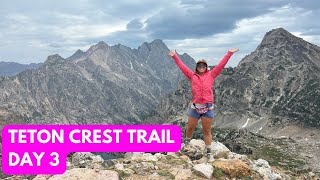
(172, 53)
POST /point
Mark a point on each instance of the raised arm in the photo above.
(186, 71)
(218, 68)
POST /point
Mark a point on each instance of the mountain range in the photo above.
(13, 68)
(105, 84)
(279, 82)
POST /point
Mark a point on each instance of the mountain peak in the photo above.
(78, 51)
(155, 42)
(283, 74)
(54, 59)
(54, 56)
(279, 37)
(158, 42)
(76, 55)
(102, 43)
(278, 31)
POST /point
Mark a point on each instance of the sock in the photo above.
(208, 149)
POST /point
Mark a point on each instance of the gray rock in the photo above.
(108, 163)
(195, 150)
(119, 167)
(87, 160)
(262, 167)
(180, 173)
(204, 170)
(142, 157)
(218, 148)
(84, 173)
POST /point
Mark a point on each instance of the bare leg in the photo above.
(206, 128)
(192, 123)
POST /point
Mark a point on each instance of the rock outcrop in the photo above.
(176, 166)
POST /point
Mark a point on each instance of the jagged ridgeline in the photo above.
(279, 81)
(105, 84)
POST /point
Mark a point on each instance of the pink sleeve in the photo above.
(186, 71)
(217, 69)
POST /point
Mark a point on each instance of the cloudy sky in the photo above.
(31, 30)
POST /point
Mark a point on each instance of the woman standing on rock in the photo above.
(202, 80)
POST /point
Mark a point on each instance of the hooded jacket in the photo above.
(202, 84)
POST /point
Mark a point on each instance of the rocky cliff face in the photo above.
(105, 84)
(278, 82)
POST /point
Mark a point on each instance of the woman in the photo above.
(202, 80)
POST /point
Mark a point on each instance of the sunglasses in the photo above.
(201, 65)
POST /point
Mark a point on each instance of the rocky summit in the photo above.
(277, 83)
(105, 84)
(189, 163)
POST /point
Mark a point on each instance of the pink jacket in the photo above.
(202, 84)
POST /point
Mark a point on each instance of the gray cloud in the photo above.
(135, 24)
(312, 5)
(32, 30)
(194, 19)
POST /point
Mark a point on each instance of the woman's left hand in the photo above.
(233, 50)
(172, 53)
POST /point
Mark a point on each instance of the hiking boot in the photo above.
(210, 157)
(185, 146)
